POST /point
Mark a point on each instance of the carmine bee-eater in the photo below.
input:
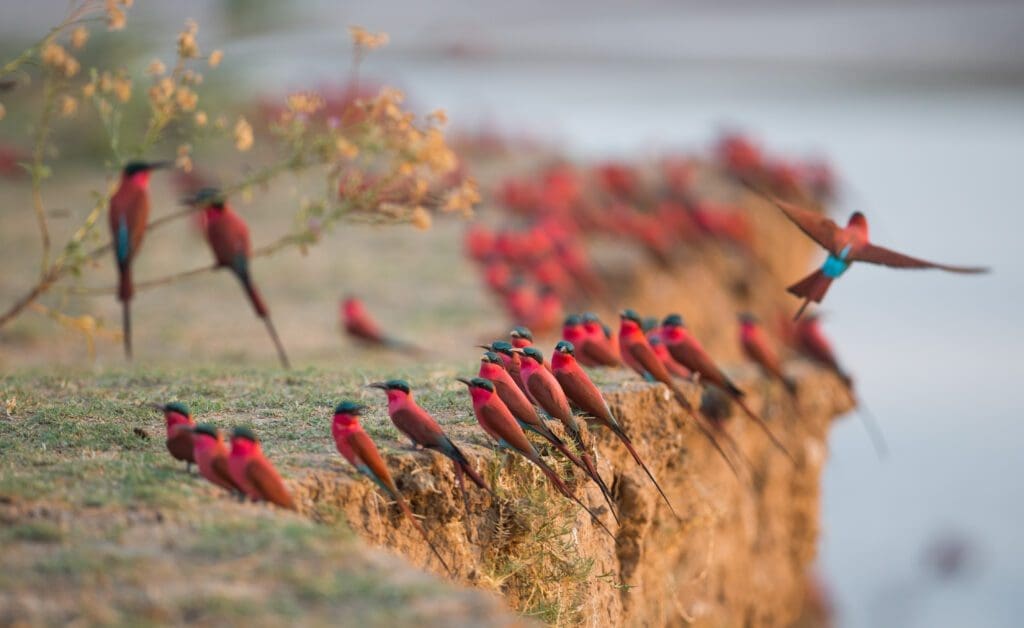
(687, 350)
(510, 359)
(179, 432)
(419, 427)
(811, 342)
(358, 324)
(357, 447)
(228, 236)
(638, 354)
(546, 393)
(587, 396)
(211, 454)
(758, 347)
(495, 419)
(572, 331)
(520, 337)
(846, 245)
(252, 472)
(520, 406)
(601, 344)
(129, 215)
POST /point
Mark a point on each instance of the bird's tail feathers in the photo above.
(811, 288)
(643, 466)
(564, 490)
(764, 427)
(125, 287)
(416, 524)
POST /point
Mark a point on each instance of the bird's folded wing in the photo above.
(880, 255)
(547, 398)
(644, 355)
(588, 398)
(220, 469)
(820, 228)
(366, 454)
(268, 483)
(505, 426)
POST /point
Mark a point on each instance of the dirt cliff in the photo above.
(739, 552)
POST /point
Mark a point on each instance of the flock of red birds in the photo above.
(518, 392)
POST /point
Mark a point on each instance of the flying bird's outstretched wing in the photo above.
(818, 227)
(874, 254)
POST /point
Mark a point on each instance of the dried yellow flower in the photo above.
(419, 189)
(3, 111)
(366, 40)
(56, 57)
(200, 118)
(215, 58)
(191, 77)
(10, 406)
(184, 158)
(305, 102)
(439, 116)
(115, 15)
(187, 46)
(420, 218)
(78, 37)
(463, 198)
(88, 90)
(243, 134)
(106, 82)
(156, 67)
(346, 149)
(122, 88)
(68, 106)
(186, 98)
(434, 152)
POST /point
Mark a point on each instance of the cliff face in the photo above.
(736, 556)
(740, 549)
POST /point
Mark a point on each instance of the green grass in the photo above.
(93, 508)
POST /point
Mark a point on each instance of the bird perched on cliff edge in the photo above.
(211, 453)
(687, 350)
(520, 406)
(228, 236)
(757, 346)
(581, 390)
(252, 472)
(356, 447)
(179, 431)
(546, 393)
(637, 353)
(498, 422)
(419, 427)
(129, 215)
(846, 245)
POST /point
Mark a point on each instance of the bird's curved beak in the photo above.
(158, 165)
(464, 381)
(488, 347)
(155, 406)
(380, 385)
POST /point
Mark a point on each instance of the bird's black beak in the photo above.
(488, 347)
(380, 385)
(159, 165)
(157, 406)
(464, 381)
